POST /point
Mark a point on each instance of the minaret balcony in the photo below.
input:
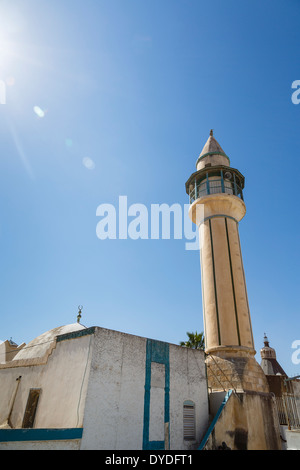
(215, 180)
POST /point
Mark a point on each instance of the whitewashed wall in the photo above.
(188, 382)
(62, 380)
(114, 409)
(116, 399)
(122, 389)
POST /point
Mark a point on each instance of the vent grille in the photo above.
(189, 422)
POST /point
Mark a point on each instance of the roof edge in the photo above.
(212, 153)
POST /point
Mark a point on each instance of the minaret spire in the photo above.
(212, 153)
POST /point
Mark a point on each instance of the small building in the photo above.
(287, 396)
(92, 388)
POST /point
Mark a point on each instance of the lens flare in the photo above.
(88, 163)
(39, 112)
(68, 143)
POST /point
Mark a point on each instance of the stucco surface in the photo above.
(39, 346)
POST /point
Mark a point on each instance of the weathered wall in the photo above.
(41, 445)
(187, 382)
(127, 392)
(247, 422)
(138, 385)
(114, 404)
(62, 380)
(35, 439)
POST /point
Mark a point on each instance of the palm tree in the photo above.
(195, 341)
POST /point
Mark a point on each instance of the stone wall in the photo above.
(248, 421)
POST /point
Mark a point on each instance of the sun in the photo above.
(11, 25)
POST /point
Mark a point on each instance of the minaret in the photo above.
(217, 206)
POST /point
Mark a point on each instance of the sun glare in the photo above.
(11, 24)
(6, 53)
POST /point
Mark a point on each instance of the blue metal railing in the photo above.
(213, 423)
(214, 186)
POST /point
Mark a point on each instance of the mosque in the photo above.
(79, 388)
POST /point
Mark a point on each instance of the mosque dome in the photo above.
(40, 346)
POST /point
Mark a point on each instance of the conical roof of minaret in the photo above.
(212, 147)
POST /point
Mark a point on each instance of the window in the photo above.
(189, 433)
(30, 411)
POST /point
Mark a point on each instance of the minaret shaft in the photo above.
(227, 321)
(225, 303)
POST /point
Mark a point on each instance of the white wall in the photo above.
(187, 382)
(115, 403)
(105, 382)
(63, 381)
(115, 398)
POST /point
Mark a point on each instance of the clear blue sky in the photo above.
(135, 86)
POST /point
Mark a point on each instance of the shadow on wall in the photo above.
(244, 421)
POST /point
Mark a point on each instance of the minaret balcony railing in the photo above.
(214, 185)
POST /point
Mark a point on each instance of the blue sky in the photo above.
(133, 88)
